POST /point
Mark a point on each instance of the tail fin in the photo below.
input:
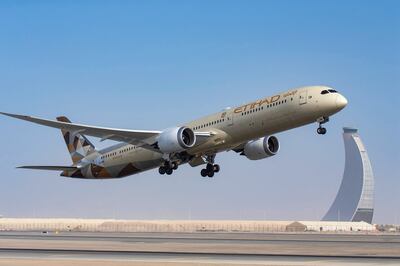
(78, 145)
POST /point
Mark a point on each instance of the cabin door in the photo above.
(303, 97)
(230, 118)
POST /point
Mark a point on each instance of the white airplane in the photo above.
(247, 129)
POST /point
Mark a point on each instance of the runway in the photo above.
(197, 249)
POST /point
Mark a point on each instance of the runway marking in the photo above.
(179, 253)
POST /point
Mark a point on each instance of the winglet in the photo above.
(14, 115)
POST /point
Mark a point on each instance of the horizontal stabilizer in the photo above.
(51, 168)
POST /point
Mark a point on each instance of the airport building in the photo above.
(183, 226)
(355, 199)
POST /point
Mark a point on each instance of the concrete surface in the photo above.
(197, 249)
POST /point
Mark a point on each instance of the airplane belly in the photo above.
(139, 161)
(119, 166)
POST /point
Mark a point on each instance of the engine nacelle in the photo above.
(261, 148)
(176, 139)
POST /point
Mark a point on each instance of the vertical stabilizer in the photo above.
(78, 145)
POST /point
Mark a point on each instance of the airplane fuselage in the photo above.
(229, 129)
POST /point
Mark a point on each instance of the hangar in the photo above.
(176, 226)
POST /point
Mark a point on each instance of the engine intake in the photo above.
(261, 148)
(176, 139)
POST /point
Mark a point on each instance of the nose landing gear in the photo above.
(321, 130)
(322, 120)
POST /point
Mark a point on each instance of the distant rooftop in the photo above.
(350, 130)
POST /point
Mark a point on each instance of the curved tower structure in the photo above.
(355, 199)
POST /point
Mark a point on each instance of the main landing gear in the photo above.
(211, 168)
(321, 130)
(168, 168)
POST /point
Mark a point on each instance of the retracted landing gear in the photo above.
(322, 120)
(168, 168)
(211, 168)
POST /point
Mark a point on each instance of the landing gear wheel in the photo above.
(169, 171)
(168, 167)
(322, 120)
(204, 172)
(321, 130)
(161, 170)
(210, 167)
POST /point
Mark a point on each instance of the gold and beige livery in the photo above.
(247, 129)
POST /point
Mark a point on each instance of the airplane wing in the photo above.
(124, 135)
(142, 138)
(52, 168)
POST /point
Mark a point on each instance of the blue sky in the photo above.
(154, 64)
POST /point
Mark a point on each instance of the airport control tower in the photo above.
(355, 199)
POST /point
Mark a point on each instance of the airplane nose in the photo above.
(341, 101)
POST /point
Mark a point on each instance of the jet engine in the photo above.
(261, 148)
(176, 139)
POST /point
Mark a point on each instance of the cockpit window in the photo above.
(324, 92)
(333, 91)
